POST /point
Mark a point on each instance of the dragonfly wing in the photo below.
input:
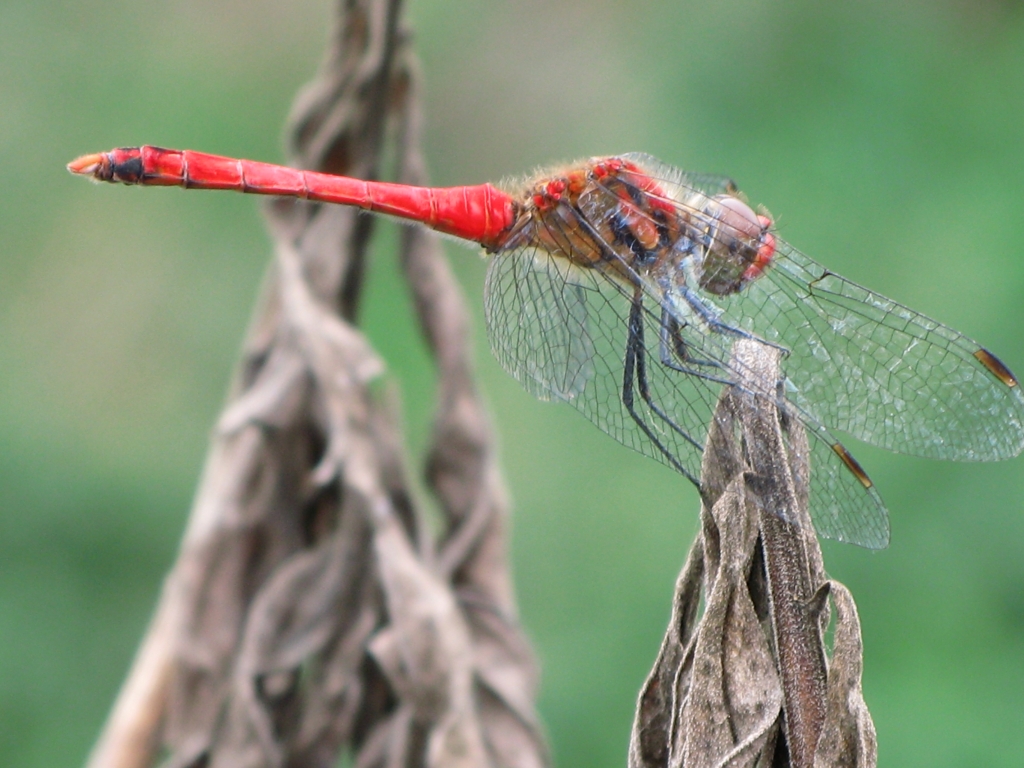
(537, 324)
(866, 365)
(542, 319)
(884, 373)
(563, 333)
(844, 504)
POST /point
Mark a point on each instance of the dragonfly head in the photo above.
(739, 248)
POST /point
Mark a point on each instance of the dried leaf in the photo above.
(311, 611)
(744, 682)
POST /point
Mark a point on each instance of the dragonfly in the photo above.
(620, 284)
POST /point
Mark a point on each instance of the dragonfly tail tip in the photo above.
(87, 165)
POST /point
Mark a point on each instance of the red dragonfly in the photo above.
(620, 284)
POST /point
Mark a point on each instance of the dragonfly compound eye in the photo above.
(736, 218)
(734, 242)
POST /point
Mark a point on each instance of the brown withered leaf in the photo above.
(311, 611)
(746, 681)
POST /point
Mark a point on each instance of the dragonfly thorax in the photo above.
(609, 214)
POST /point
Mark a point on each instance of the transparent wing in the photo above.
(530, 304)
(550, 326)
(537, 324)
(866, 365)
(873, 368)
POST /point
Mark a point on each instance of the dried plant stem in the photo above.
(798, 639)
(310, 610)
(797, 630)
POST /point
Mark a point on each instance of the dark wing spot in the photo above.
(996, 367)
(852, 465)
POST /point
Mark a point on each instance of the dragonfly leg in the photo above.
(710, 318)
(674, 353)
(636, 367)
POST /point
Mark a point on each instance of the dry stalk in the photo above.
(748, 683)
(310, 611)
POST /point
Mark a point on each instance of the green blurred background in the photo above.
(887, 138)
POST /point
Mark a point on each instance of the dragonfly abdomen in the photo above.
(480, 213)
